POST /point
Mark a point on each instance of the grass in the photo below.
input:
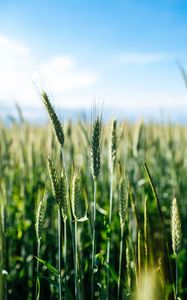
(111, 235)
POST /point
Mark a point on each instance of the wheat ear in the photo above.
(175, 228)
(113, 144)
(176, 234)
(54, 119)
(96, 148)
(40, 217)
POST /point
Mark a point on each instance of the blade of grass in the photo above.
(162, 220)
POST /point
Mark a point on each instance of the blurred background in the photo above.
(124, 54)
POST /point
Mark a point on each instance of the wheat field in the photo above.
(92, 209)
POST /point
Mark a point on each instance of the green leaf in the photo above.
(48, 266)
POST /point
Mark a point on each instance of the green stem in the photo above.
(59, 250)
(177, 275)
(38, 254)
(139, 254)
(109, 239)
(37, 271)
(65, 255)
(93, 241)
(120, 261)
(76, 264)
(2, 283)
(145, 236)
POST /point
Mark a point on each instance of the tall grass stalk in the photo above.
(112, 158)
(93, 241)
(65, 255)
(122, 215)
(76, 264)
(176, 234)
(139, 254)
(75, 202)
(80, 215)
(56, 186)
(63, 201)
(109, 238)
(58, 130)
(145, 235)
(60, 250)
(120, 261)
(40, 215)
(95, 169)
(37, 270)
(2, 263)
(59, 133)
(3, 272)
(128, 267)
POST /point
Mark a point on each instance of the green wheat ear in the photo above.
(54, 119)
(78, 205)
(54, 181)
(40, 215)
(123, 198)
(96, 148)
(113, 144)
(176, 231)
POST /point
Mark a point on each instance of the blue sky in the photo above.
(122, 51)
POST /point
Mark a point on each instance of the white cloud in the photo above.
(145, 58)
(134, 99)
(58, 74)
(13, 48)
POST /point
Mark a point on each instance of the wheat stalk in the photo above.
(75, 202)
(128, 268)
(176, 234)
(59, 185)
(112, 156)
(145, 234)
(123, 198)
(58, 194)
(95, 169)
(63, 201)
(40, 217)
